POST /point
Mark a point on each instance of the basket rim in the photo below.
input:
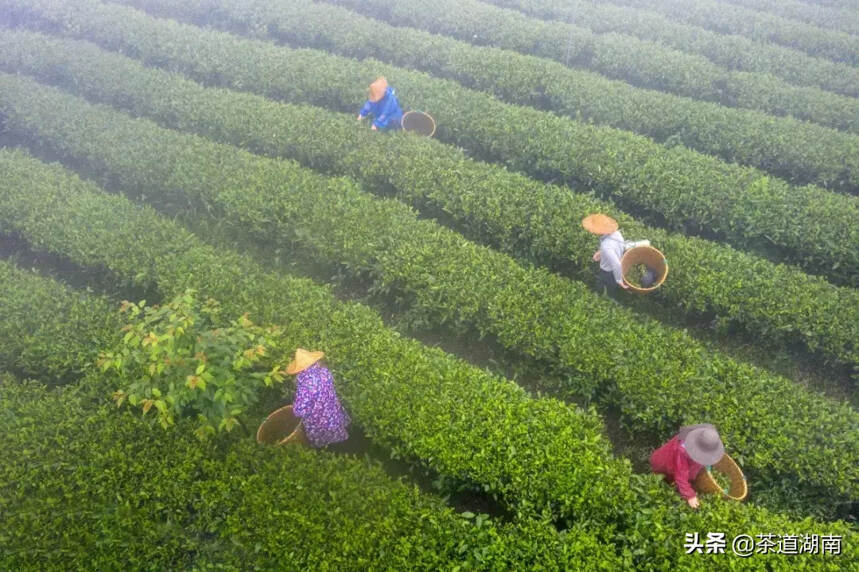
(425, 114)
(707, 475)
(299, 427)
(661, 281)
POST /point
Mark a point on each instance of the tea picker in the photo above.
(383, 105)
(612, 247)
(618, 258)
(316, 415)
(683, 459)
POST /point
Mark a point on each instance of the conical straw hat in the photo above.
(599, 224)
(377, 89)
(303, 360)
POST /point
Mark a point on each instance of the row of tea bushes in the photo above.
(516, 214)
(643, 63)
(798, 151)
(454, 281)
(86, 487)
(761, 65)
(808, 225)
(458, 420)
(834, 18)
(47, 329)
(847, 4)
(538, 455)
(757, 26)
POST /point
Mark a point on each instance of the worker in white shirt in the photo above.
(609, 254)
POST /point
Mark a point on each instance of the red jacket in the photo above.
(674, 462)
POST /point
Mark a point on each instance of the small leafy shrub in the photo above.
(174, 359)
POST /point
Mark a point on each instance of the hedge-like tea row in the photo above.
(537, 455)
(452, 280)
(801, 152)
(48, 330)
(459, 420)
(731, 52)
(770, 300)
(758, 26)
(640, 62)
(834, 18)
(811, 226)
(846, 4)
(88, 488)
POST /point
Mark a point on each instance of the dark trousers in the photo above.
(606, 283)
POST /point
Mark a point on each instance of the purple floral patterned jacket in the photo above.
(316, 403)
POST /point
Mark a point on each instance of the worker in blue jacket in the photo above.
(383, 105)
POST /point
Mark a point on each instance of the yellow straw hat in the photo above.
(303, 360)
(599, 224)
(377, 89)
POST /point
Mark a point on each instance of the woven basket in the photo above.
(419, 122)
(739, 489)
(281, 427)
(650, 257)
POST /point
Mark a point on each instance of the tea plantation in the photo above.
(186, 197)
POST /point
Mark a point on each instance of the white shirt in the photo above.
(611, 250)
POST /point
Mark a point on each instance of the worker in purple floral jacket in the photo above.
(316, 402)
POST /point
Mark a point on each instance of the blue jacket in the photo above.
(386, 112)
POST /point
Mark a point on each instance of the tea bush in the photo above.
(842, 19)
(798, 151)
(469, 429)
(810, 226)
(553, 319)
(87, 487)
(511, 212)
(48, 329)
(433, 392)
(761, 27)
(766, 61)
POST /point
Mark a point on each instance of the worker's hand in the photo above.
(374, 128)
(596, 256)
(360, 117)
(693, 502)
(623, 285)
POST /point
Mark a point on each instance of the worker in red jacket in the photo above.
(683, 457)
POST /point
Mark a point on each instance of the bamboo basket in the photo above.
(739, 489)
(419, 122)
(650, 257)
(281, 427)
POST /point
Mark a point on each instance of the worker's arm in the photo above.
(364, 110)
(683, 482)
